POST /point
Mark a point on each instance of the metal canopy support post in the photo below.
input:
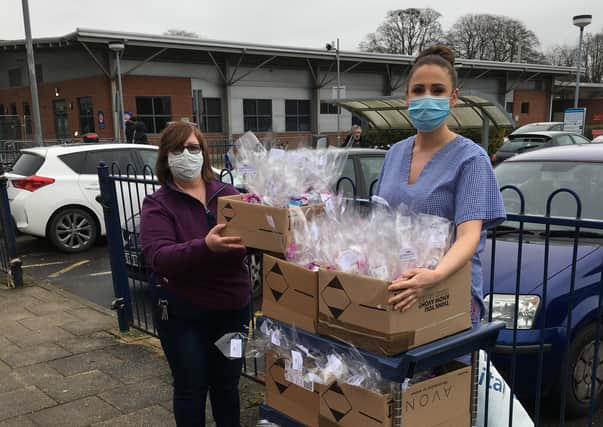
(120, 113)
(485, 130)
(146, 61)
(257, 67)
(114, 102)
(100, 65)
(228, 104)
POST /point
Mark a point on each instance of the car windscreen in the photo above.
(521, 143)
(27, 164)
(538, 179)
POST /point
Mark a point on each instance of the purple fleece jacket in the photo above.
(173, 226)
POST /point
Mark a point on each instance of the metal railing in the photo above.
(10, 263)
(538, 362)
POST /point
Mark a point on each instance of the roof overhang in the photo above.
(193, 44)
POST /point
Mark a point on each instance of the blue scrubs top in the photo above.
(458, 183)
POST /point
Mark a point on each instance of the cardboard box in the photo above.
(259, 226)
(443, 401)
(290, 293)
(301, 404)
(354, 309)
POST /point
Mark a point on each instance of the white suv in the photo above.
(52, 190)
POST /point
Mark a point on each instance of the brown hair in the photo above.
(439, 55)
(173, 137)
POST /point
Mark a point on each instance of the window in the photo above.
(257, 114)
(510, 107)
(86, 114)
(349, 172)
(154, 111)
(121, 157)
(13, 109)
(26, 109)
(580, 139)
(14, 77)
(211, 116)
(371, 169)
(564, 140)
(75, 161)
(525, 108)
(149, 158)
(297, 115)
(328, 108)
(27, 164)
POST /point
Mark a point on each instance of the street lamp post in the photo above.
(33, 82)
(335, 46)
(118, 48)
(580, 21)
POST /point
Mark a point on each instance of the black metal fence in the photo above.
(543, 277)
(10, 263)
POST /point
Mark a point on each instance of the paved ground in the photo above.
(63, 363)
(87, 275)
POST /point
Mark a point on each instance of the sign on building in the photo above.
(574, 119)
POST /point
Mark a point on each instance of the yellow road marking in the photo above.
(69, 268)
(44, 264)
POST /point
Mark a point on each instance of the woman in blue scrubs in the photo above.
(441, 173)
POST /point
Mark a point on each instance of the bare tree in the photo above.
(592, 57)
(405, 31)
(181, 33)
(494, 38)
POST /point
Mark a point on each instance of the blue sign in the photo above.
(101, 120)
(574, 120)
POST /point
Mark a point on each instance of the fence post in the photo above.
(9, 235)
(121, 288)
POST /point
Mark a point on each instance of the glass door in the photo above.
(61, 122)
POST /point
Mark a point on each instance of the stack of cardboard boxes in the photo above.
(353, 309)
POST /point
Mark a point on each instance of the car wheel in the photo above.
(581, 355)
(73, 230)
(255, 273)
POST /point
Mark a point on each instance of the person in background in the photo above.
(441, 173)
(355, 138)
(140, 135)
(203, 288)
(130, 126)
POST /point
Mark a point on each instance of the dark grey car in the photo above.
(528, 141)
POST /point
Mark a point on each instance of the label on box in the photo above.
(236, 348)
(297, 361)
(246, 169)
(275, 338)
(408, 254)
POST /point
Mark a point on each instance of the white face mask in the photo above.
(185, 166)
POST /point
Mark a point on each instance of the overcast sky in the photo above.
(304, 23)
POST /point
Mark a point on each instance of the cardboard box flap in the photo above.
(372, 292)
(283, 277)
(351, 405)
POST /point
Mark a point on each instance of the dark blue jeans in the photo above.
(198, 367)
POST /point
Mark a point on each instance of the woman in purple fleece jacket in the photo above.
(204, 289)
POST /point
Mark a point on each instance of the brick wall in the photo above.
(69, 91)
(538, 106)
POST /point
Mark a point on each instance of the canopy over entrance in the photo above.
(470, 112)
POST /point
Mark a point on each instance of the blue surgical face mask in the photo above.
(428, 112)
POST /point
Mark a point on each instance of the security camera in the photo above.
(330, 46)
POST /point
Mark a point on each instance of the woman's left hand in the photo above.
(411, 286)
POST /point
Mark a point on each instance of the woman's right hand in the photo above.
(220, 244)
